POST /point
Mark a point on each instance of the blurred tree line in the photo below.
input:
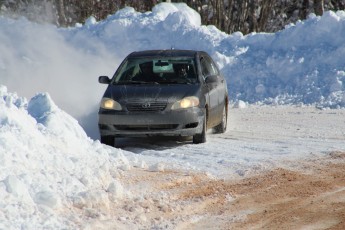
(228, 15)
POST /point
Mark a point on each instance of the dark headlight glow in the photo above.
(187, 102)
(108, 103)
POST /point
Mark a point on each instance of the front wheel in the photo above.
(201, 137)
(108, 140)
(221, 128)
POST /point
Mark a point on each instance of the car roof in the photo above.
(163, 53)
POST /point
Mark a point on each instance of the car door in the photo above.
(210, 74)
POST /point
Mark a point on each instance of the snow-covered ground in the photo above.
(51, 161)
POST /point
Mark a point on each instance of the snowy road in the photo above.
(274, 167)
(258, 138)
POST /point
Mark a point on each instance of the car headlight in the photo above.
(108, 103)
(185, 103)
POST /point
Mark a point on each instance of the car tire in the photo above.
(108, 140)
(221, 128)
(201, 137)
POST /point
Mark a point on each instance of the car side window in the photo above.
(207, 66)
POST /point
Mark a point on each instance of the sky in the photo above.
(50, 155)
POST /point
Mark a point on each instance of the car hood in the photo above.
(168, 93)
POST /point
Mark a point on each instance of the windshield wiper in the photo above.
(136, 83)
(178, 82)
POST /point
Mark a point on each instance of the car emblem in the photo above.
(146, 105)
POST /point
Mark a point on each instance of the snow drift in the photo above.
(48, 163)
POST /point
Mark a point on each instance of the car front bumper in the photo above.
(187, 122)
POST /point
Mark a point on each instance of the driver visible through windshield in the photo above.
(177, 70)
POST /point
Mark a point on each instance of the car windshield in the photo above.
(166, 70)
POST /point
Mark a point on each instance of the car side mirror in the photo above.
(211, 79)
(104, 80)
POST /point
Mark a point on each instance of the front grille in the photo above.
(149, 106)
(145, 127)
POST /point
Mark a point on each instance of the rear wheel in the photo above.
(108, 140)
(201, 137)
(221, 128)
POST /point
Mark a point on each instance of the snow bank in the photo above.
(48, 165)
(301, 64)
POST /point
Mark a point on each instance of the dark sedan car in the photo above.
(164, 93)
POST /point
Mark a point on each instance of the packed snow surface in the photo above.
(50, 158)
